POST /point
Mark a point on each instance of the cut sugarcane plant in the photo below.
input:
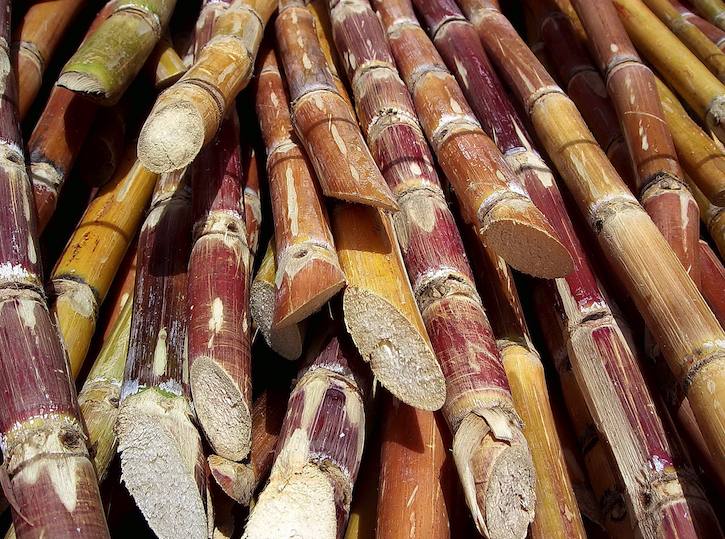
(48, 473)
(682, 324)
(631, 85)
(714, 34)
(712, 10)
(490, 195)
(308, 271)
(322, 118)
(479, 405)
(713, 279)
(240, 480)
(164, 67)
(287, 342)
(107, 61)
(712, 216)
(320, 446)
(220, 325)
(85, 270)
(157, 439)
(35, 42)
(188, 114)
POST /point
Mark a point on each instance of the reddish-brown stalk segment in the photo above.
(380, 308)
(322, 118)
(34, 42)
(714, 34)
(713, 280)
(220, 326)
(320, 446)
(490, 195)
(240, 480)
(631, 86)
(85, 270)
(287, 342)
(439, 272)
(684, 327)
(414, 505)
(702, 158)
(49, 476)
(712, 216)
(188, 114)
(308, 271)
(675, 63)
(162, 462)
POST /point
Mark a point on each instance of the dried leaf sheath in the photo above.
(188, 114)
(490, 195)
(158, 442)
(106, 63)
(322, 118)
(44, 442)
(715, 34)
(308, 271)
(319, 448)
(686, 330)
(85, 270)
(380, 310)
(34, 44)
(436, 263)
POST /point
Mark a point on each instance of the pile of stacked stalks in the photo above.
(260, 258)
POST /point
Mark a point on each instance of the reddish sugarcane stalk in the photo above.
(476, 384)
(713, 217)
(220, 325)
(35, 42)
(631, 86)
(490, 195)
(713, 279)
(322, 118)
(308, 271)
(684, 327)
(49, 476)
(162, 463)
(320, 445)
(714, 34)
(240, 480)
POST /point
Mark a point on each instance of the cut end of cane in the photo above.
(498, 479)
(221, 409)
(288, 341)
(374, 195)
(306, 279)
(161, 459)
(89, 86)
(399, 356)
(171, 137)
(520, 234)
(299, 505)
(236, 479)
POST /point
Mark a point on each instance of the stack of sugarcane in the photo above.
(278, 239)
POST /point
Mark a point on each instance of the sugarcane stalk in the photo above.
(220, 326)
(35, 41)
(158, 442)
(240, 480)
(104, 144)
(380, 309)
(362, 523)
(701, 158)
(713, 217)
(322, 118)
(712, 10)
(85, 270)
(490, 194)
(713, 278)
(686, 330)
(319, 448)
(319, 11)
(675, 63)
(413, 505)
(188, 114)
(308, 270)
(288, 341)
(164, 66)
(48, 474)
(713, 33)
(107, 61)
(440, 276)
(99, 397)
(632, 88)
